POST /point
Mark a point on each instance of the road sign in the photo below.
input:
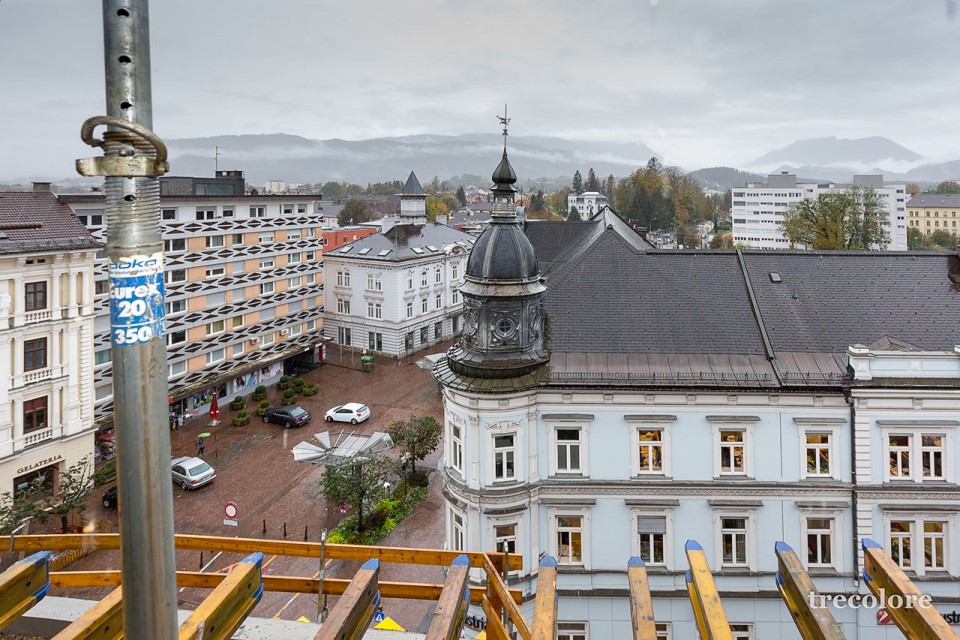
(229, 523)
(231, 511)
(378, 617)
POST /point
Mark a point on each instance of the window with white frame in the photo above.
(505, 538)
(343, 335)
(217, 326)
(456, 447)
(215, 271)
(293, 234)
(438, 275)
(343, 278)
(733, 451)
(455, 297)
(741, 631)
(423, 278)
(266, 287)
(374, 310)
(663, 631)
(455, 270)
(266, 236)
(266, 263)
(651, 538)
(569, 538)
(818, 447)
(293, 283)
(238, 349)
(176, 306)
(572, 631)
(343, 306)
(458, 538)
(296, 330)
(216, 356)
(294, 258)
(258, 212)
(311, 278)
(439, 300)
(214, 241)
(268, 338)
(409, 308)
(919, 543)
(504, 457)
(374, 282)
(649, 449)
(734, 530)
(569, 449)
(917, 455)
(820, 540)
(311, 325)
(423, 304)
(409, 280)
(176, 369)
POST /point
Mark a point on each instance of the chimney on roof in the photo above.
(41, 187)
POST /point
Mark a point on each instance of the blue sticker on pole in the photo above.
(136, 300)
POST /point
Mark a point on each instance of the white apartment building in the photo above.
(587, 203)
(46, 339)
(397, 291)
(244, 288)
(758, 208)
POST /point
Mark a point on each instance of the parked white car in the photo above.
(352, 412)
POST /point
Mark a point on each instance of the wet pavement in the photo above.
(255, 469)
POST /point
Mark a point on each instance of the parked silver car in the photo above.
(192, 473)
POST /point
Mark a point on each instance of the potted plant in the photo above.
(289, 395)
(283, 382)
(298, 384)
(238, 403)
(259, 393)
(262, 409)
(241, 419)
(311, 389)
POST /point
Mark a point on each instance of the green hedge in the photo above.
(395, 509)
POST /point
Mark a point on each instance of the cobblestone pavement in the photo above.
(255, 469)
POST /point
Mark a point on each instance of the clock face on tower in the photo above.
(469, 323)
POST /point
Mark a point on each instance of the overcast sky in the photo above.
(702, 82)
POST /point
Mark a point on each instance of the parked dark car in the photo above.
(290, 415)
(109, 499)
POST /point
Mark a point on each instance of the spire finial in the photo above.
(504, 120)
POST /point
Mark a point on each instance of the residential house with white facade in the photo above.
(46, 340)
(587, 203)
(397, 291)
(758, 209)
(243, 287)
(616, 400)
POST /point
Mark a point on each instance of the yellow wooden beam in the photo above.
(812, 617)
(910, 610)
(354, 611)
(641, 604)
(102, 621)
(707, 608)
(224, 610)
(448, 617)
(281, 584)
(495, 629)
(23, 585)
(545, 606)
(404, 555)
(495, 582)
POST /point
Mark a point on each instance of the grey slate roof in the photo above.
(404, 242)
(950, 201)
(37, 221)
(619, 313)
(503, 252)
(412, 187)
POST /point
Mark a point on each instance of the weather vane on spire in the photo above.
(504, 120)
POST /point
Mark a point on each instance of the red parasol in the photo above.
(214, 408)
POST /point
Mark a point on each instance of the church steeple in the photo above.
(502, 293)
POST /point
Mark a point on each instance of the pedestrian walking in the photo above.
(180, 421)
(200, 444)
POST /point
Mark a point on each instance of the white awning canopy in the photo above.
(335, 447)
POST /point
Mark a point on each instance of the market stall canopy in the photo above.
(331, 448)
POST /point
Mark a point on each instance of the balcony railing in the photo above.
(37, 375)
(36, 437)
(38, 316)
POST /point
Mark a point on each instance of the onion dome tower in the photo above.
(503, 322)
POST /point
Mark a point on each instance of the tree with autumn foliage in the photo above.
(853, 219)
(435, 207)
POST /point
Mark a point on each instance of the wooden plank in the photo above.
(707, 608)
(355, 608)
(23, 585)
(801, 595)
(915, 617)
(495, 629)
(448, 617)
(280, 584)
(224, 610)
(641, 604)
(545, 606)
(404, 555)
(102, 621)
(513, 610)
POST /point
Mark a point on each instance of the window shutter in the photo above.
(651, 525)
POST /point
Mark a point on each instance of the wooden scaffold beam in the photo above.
(641, 604)
(224, 610)
(23, 585)
(451, 611)
(355, 609)
(707, 608)
(813, 619)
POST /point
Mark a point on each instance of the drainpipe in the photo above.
(134, 158)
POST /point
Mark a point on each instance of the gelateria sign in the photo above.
(40, 464)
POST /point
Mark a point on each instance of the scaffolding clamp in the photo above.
(121, 159)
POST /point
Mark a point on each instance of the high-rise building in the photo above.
(243, 283)
(758, 209)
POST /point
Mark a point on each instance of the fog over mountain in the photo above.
(297, 159)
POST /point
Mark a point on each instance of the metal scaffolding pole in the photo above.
(133, 160)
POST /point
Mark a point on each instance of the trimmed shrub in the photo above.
(283, 382)
(238, 403)
(259, 393)
(311, 390)
(289, 395)
(298, 383)
(241, 419)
